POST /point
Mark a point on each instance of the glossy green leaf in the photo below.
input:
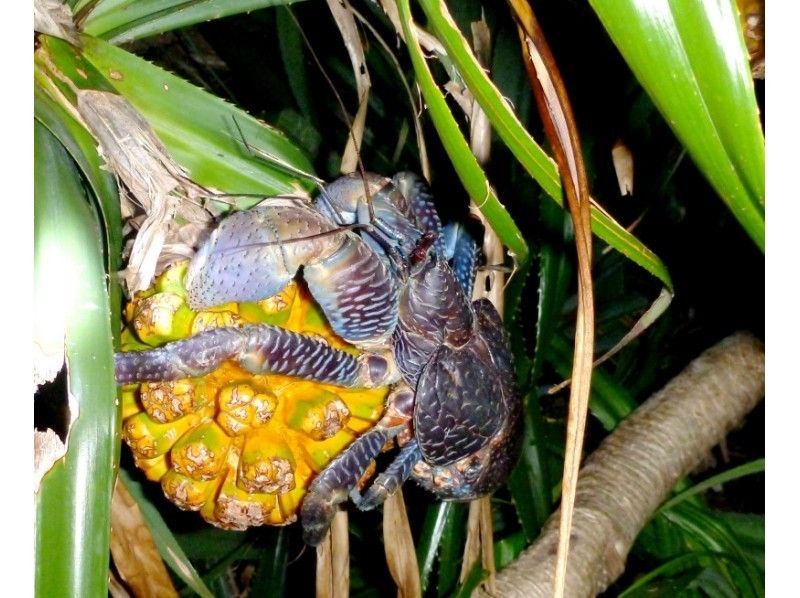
(529, 154)
(703, 528)
(451, 549)
(530, 482)
(122, 21)
(610, 402)
(475, 576)
(82, 147)
(436, 520)
(200, 130)
(469, 172)
(734, 473)
(691, 58)
(508, 549)
(73, 505)
(166, 543)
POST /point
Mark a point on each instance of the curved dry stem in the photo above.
(625, 480)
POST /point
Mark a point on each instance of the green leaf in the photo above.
(436, 520)
(508, 549)
(703, 528)
(475, 576)
(469, 172)
(451, 549)
(122, 21)
(270, 578)
(691, 58)
(73, 504)
(609, 402)
(734, 473)
(290, 42)
(682, 571)
(529, 482)
(201, 131)
(82, 148)
(168, 546)
(529, 154)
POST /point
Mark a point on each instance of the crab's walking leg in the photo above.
(332, 485)
(462, 251)
(341, 475)
(259, 348)
(390, 480)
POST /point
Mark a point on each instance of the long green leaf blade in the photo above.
(73, 505)
(691, 59)
(529, 154)
(729, 475)
(469, 172)
(122, 21)
(201, 131)
(83, 148)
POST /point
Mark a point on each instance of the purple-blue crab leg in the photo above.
(453, 241)
(390, 480)
(462, 251)
(420, 200)
(259, 348)
(333, 484)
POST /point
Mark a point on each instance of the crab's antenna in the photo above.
(343, 109)
(272, 159)
(327, 233)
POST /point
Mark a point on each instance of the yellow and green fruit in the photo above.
(239, 448)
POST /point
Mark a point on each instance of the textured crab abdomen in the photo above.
(239, 448)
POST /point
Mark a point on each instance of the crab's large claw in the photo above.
(253, 255)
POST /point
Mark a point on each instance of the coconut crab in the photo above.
(395, 284)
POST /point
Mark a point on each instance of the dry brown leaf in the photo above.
(472, 545)
(561, 130)
(324, 568)
(622, 157)
(489, 284)
(401, 555)
(426, 41)
(345, 21)
(54, 17)
(116, 588)
(158, 187)
(47, 449)
(658, 307)
(135, 554)
(340, 555)
(415, 110)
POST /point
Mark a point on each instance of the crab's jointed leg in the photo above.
(390, 480)
(260, 349)
(333, 484)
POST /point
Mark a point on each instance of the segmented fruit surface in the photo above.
(239, 448)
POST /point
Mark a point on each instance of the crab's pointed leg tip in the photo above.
(316, 515)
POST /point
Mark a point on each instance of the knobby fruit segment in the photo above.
(239, 448)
